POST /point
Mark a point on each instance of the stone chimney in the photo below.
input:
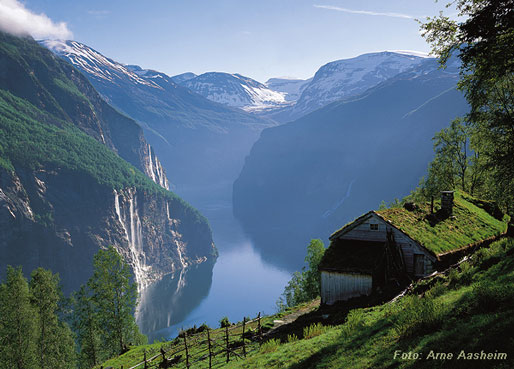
(447, 202)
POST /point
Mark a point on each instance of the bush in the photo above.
(488, 297)
(419, 315)
(270, 345)
(354, 321)
(292, 338)
(314, 330)
(224, 322)
(438, 289)
(487, 257)
(463, 276)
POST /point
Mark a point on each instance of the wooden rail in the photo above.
(201, 346)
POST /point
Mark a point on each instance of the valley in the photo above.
(256, 185)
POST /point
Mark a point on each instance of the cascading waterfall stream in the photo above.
(134, 234)
(155, 170)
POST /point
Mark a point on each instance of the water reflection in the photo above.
(240, 284)
(169, 301)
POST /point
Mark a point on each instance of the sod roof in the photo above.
(472, 221)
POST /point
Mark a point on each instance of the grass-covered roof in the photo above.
(472, 221)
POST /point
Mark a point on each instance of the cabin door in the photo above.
(419, 264)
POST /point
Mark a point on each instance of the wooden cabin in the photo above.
(384, 247)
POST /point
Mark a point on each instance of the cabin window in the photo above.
(373, 227)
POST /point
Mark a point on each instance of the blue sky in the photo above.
(259, 39)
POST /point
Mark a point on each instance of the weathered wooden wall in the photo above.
(342, 286)
(409, 247)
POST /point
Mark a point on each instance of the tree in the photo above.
(485, 44)
(312, 276)
(85, 324)
(451, 148)
(294, 292)
(304, 286)
(114, 296)
(17, 323)
(54, 339)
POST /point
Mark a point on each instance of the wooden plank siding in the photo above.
(363, 231)
(343, 286)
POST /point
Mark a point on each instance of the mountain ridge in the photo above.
(304, 177)
(198, 141)
(65, 189)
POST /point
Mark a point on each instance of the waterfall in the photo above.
(155, 170)
(134, 234)
(150, 164)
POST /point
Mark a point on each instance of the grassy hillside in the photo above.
(468, 310)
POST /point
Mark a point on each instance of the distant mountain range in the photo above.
(199, 141)
(307, 178)
(284, 99)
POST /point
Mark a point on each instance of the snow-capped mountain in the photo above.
(347, 77)
(344, 78)
(94, 63)
(291, 87)
(180, 78)
(236, 90)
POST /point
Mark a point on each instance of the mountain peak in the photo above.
(94, 63)
(235, 90)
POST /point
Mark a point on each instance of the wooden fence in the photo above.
(206, 349)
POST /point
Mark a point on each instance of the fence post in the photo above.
(144, 358)
(226, 339)
(164, 362)
(259, 328)
(243, 337)
(210, 347)
(187, 351)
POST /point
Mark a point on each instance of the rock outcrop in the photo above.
(76, 175)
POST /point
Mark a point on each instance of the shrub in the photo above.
(419, 315)
(292, 338)
(488, 297)
(270, 345)
(314, 330)
(487, 257)
(462, 276)
(224, 322)
(354, 321)
(438, 289)
(467, 271)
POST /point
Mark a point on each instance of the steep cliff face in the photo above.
(302, 180)
(158, 237)
(76, 175)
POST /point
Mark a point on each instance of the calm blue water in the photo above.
(241, 283)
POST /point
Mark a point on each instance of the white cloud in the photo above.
(15, 18)
(365, 12)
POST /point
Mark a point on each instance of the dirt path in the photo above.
(290, 318)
